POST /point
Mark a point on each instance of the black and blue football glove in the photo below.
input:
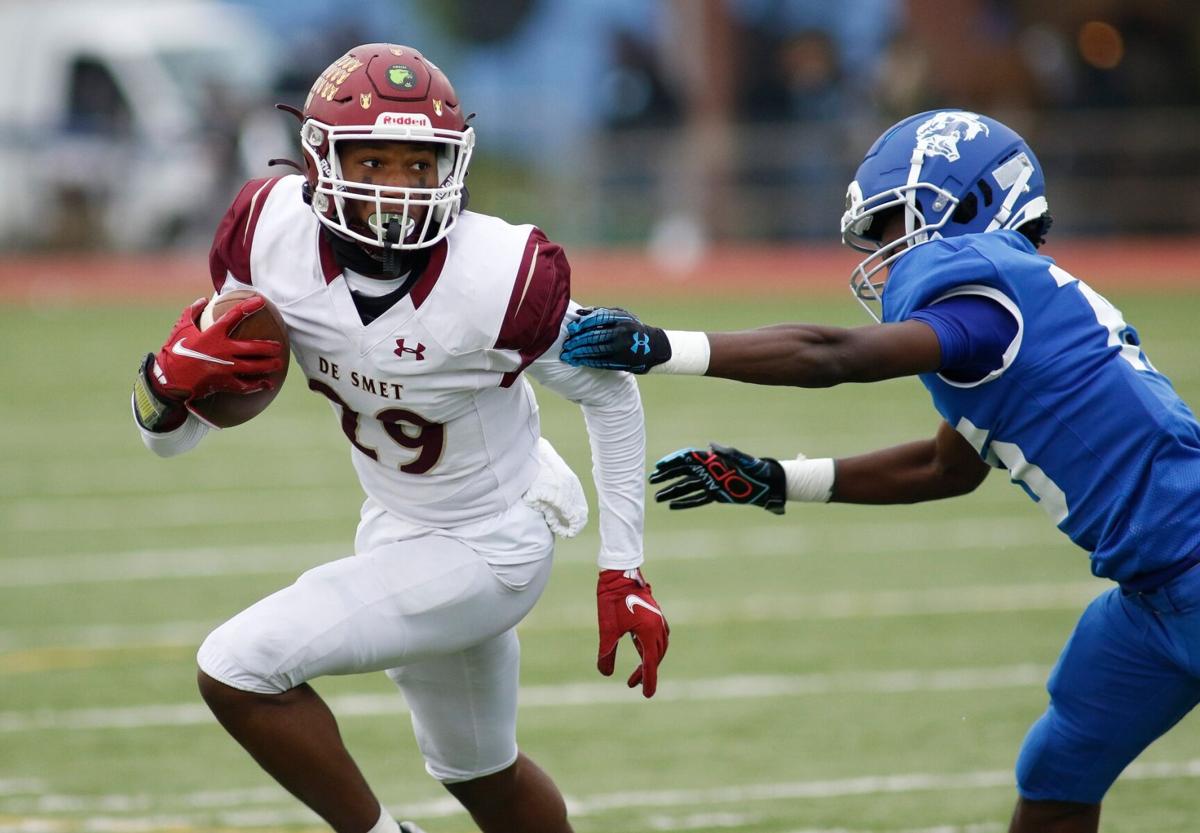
(722, 474)
(610, 338)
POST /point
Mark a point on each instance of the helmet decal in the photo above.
(330, 81)
(364, 101)
(940, 135)
(401, 77)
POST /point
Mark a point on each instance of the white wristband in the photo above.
(809, 480)
(689, 354)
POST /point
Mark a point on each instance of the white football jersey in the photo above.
(430, 395)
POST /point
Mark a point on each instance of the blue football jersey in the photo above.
(1077, 413)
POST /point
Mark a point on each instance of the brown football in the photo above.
(225, 410)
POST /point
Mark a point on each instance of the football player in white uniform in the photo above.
(418, 321)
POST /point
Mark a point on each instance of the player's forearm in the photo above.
(612, 409)
(617, 437)
(909, 473)
(800, 355)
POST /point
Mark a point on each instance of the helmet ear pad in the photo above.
(966, 209)
(968, 206)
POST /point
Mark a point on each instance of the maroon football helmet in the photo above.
(381, 91)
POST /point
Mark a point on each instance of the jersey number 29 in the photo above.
(407, 428)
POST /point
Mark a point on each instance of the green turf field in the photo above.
(836, 669)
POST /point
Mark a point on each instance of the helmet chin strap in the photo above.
(391, 256)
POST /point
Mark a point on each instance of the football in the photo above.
(224, 410)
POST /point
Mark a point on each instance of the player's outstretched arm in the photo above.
(612, 409)
(803, 355)
(944, 466)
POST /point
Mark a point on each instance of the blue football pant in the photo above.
(1129, 672)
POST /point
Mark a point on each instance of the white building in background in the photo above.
(121, 118)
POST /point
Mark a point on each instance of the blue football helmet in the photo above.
(952, 172)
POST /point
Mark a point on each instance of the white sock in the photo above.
(386, 823)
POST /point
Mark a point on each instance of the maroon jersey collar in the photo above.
(331, 269)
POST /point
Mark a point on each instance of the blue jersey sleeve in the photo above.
(974, 332)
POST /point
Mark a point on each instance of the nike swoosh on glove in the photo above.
(194, 363)
(625, 605)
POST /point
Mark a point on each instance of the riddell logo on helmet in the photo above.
(402, 120)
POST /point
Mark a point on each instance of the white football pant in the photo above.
(436, 609)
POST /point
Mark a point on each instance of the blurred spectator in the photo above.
(682, 120)
(636, 91)
(313, 32)
(813, 82)
(956, 53)
(478, 24)
(814, 42)
(800, 80)
(1144, 54)
(551, 78)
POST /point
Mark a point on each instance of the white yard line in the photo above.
(982, 827)
(884, 537)
(786, 607)
(166, 563)
(100, 514)
(571, 694)
(105, 636)
(696, 821)
(866, 536)
(952, 600)
(199, 808)
(20, 786)
(835, 788)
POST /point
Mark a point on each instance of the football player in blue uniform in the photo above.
(1032, 371)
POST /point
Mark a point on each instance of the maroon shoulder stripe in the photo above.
(540, 294)
(234, 239)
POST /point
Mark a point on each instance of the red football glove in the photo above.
(194, 363)
(624, 605)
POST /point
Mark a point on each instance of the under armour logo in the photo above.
(640, 340)
(418, 351)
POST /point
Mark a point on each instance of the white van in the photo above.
(121, 121)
